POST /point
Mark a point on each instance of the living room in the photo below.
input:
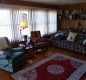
(51, 18)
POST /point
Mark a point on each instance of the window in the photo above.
(45, 21)
(10, 18)
(52, 22)
(40, 21)
(5, 26)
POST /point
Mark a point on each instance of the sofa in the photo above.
(11, 59)
(78, 45)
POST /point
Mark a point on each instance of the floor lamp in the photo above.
(24, 25)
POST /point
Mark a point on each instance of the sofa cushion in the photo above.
(72, 36)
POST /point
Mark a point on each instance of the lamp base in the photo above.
(25, 38)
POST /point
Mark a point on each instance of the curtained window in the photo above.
(5, 26)
(40, 21)
(10, 18)
(52, 22)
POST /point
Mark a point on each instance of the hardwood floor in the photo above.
(4, 75)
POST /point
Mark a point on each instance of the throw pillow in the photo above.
(58, 34)
(60, 37)
(72, 36)
(84, 42)
(80, 40)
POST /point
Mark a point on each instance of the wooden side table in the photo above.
(27, 47)
(28, 50)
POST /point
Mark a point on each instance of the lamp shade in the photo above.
(24, 25)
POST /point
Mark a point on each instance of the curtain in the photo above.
(52, 22)
(40, 21)
(10, 18)
(45, 21)
(5, 20)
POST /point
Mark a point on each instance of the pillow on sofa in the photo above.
(84, 42)
(59, 36)
(72, 36)
(80, 40)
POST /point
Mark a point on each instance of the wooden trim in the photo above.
(81, 5)
(28, 3)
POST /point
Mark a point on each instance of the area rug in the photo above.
(54, 67)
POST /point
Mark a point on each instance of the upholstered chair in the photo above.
(39, 43)
(11, 59)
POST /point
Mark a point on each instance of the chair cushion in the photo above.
(3, 43)
(41, 40)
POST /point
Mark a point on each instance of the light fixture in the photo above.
(23, 24)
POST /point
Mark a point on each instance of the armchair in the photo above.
(11, 59)
(39, 43)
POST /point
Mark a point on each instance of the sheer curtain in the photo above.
(52, 22)
(40, 21)
(45, 21)
(10, 18)
(5, 20)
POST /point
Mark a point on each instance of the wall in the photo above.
(62, 24)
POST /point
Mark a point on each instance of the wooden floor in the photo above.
(4, 75)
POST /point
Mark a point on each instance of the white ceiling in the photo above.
(56, 1)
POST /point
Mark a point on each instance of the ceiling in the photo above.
(55, 2)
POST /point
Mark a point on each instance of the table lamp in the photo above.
(24, 25)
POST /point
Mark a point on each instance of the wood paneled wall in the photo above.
(81, 5)
(62, 24)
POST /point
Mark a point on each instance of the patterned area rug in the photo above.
(54, 67)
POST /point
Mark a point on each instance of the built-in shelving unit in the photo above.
(72, 14)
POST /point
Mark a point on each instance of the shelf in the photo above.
(72, 17)
(72, 14)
